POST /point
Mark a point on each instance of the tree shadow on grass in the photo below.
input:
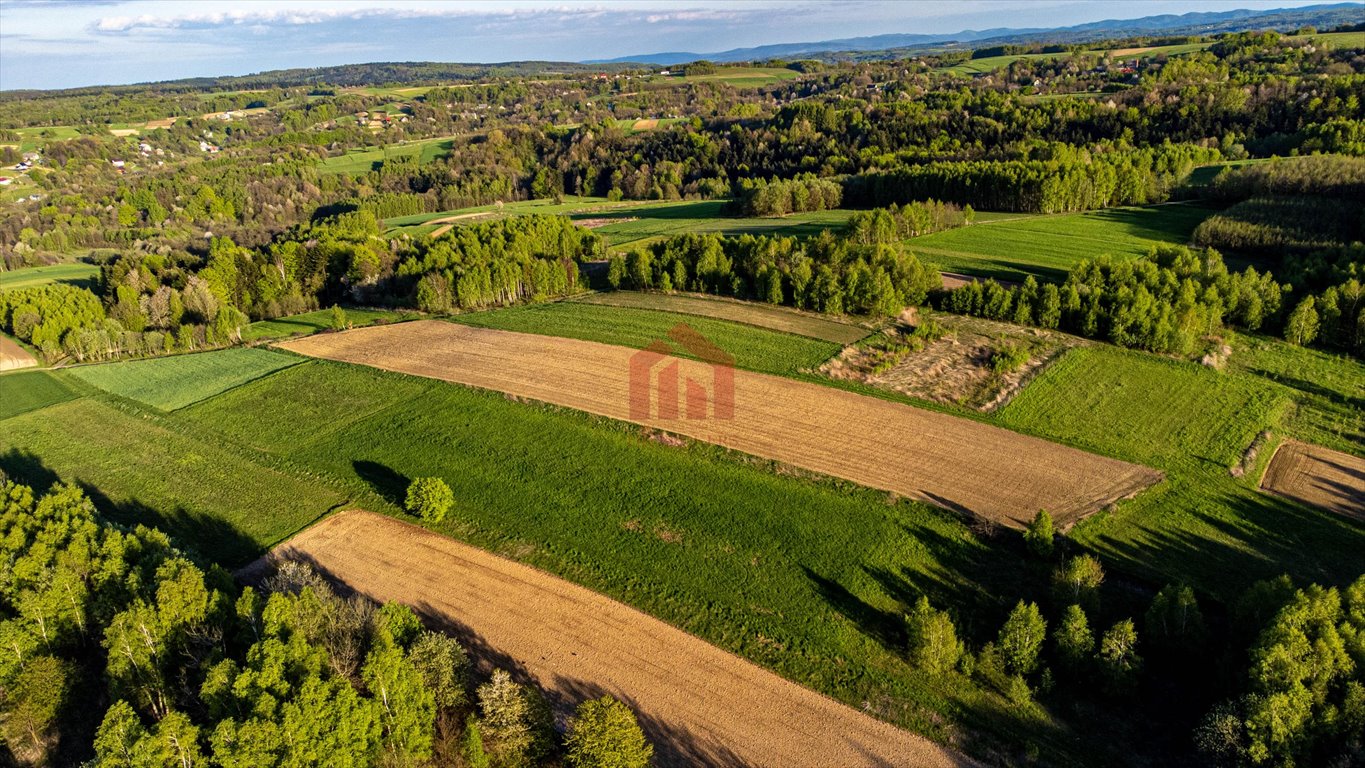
(28, 469)
(390, 485)
(205, 538)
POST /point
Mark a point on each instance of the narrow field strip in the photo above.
(169, 383)
(770, 317)
(1318, 476)
(944, 460)
(698, 704)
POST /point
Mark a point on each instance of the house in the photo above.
(5, 181)
(117, 164)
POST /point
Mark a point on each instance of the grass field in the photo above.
(318, 320)
(746, 77)
(1202, 526)
(806, 577)
(213, 499)
(755, 349)
(31, 390)
(169, 383)
(631, 224)
(1048, 246)
(361, 161)
(74, 273)
(747, 312)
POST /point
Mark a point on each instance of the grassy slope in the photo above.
(218, 501)
(29, 391)
(756, 349)
(74, 273)
(746, 312)
(361, 161)
(805, 576)
(175, 382)
(318, 320)
(1202, 526)
(1048, 246)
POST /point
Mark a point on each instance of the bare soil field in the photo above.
(955, 463)
(13, 356)
(956, 368)
(699, 705)
(645, 125)
(954, 280)
(749, 313)
(1318, 476)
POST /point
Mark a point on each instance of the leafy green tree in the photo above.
(934, 646)
(517, 726)
(407, 708)
(1174, 621)
(1021, 638)
(616, 271)
(1118, 656)
(429, 498)
(1038, 534)
(444, 668)
(1073, 637)
(1302, 326)
(338, 320)
(32, 705)
(1078, 581)
(604, 734)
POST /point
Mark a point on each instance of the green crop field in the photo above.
(746, 77)
(662, 221)
(29, 391)
(749, 313)
(361, 161)
(74, 273)
(756, 349)
(807, 577)
(1048, 246)
(318, 320)
(139, 468)
(1201, 525)
(169, 383)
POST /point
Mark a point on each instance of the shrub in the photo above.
(604, 734)
(429, 498)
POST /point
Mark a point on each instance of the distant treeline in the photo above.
(825, 274)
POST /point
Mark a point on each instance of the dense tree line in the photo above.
(1083, 182)
(117, 645)
(780, 197)
(826, 274)
(1165, 302)
(899, 222)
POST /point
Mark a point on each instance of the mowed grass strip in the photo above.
(749, 313)
(755, 349)
(169, 383)
(31, 390)
(807, 577)
(318, 320)
(1048, 246)
(213, 500)
(75, 273)
(1202, 526)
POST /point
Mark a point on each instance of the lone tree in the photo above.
(934, 646)
(1022, 638)
(1038, 535)
(604, 734)
(338, 321)
(429, 498)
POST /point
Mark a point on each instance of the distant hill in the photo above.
(1198, 23)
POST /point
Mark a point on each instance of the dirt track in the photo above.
(1318, 476)
(699, 705)
(953, 462)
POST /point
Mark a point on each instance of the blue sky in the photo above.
(67, 43)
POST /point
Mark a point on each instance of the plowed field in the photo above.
(1318, 476)
(945, 460)
(699, 705)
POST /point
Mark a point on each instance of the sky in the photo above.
(69, 43)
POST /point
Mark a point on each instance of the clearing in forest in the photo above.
(1318, 476)
(944, 460)
(695, 701)
(746, 312)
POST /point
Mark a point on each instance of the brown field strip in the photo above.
(13, 356)
(945, 460)
(763, 316)
(698, 704)
(1318, 476)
